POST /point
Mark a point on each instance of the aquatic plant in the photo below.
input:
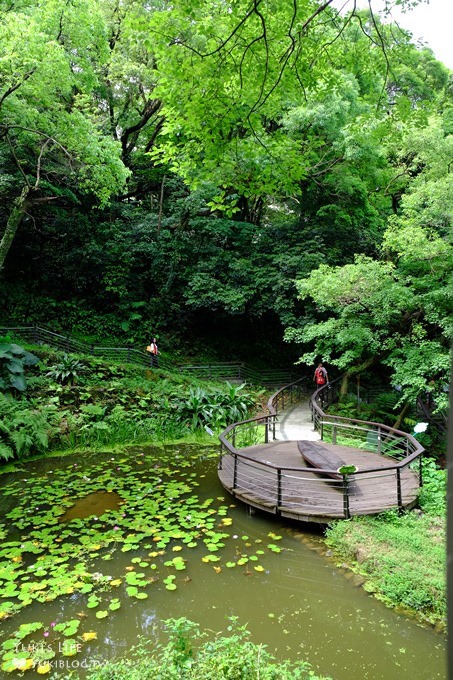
(158, 517)
(191, 653)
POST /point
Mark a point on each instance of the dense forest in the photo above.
(269, 180)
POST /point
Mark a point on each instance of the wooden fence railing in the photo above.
(222, 371)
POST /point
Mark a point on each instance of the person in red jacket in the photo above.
(154, 351)
(320, 377)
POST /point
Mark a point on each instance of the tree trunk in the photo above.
(344, 385)
(354, 370)
(13, 223)
(161, 205)
(398, 421)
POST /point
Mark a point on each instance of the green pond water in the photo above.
(98, 550)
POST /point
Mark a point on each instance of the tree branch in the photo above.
(17, 161)
(130, 134)
(13, 88)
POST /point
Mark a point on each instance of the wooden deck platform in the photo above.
(275, 478)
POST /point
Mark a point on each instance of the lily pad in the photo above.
(142, 596)
(68, 628)
(90, 635)
(114, 604)
(101, 614)
(170, 586)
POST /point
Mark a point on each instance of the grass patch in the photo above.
(403, 558)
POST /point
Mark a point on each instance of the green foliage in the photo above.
(379, 312)
(67, 371)
(215, 409)
(13, 361)
(190, 653)
(23, 430)
(53, 141)
(92, 404)
(433, 494)
(347, 469)
(304, 171)
(271, 139)
(348, 407)
(383, 549)
(381, 408)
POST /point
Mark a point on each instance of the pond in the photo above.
(98, 550)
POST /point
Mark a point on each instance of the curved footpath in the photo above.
(295, 423)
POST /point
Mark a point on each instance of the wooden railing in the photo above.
(262, 428)
(379, 438)
(272, 482)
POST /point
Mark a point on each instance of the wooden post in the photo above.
(398, 488)
(346, 512)
(235, 471)
(279, 488)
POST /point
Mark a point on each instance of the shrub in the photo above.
(67, 371)
(188, 655)
(433, 494)
(13, 361)
(215, 409)
(23, 430)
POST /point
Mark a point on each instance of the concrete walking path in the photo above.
(295, 423)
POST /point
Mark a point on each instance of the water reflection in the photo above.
(93, 504)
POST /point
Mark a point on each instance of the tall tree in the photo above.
(395, 311)
(255, 97)
(52, 141)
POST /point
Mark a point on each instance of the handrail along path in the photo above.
(273, 475)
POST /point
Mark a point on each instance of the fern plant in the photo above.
(23, 431)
